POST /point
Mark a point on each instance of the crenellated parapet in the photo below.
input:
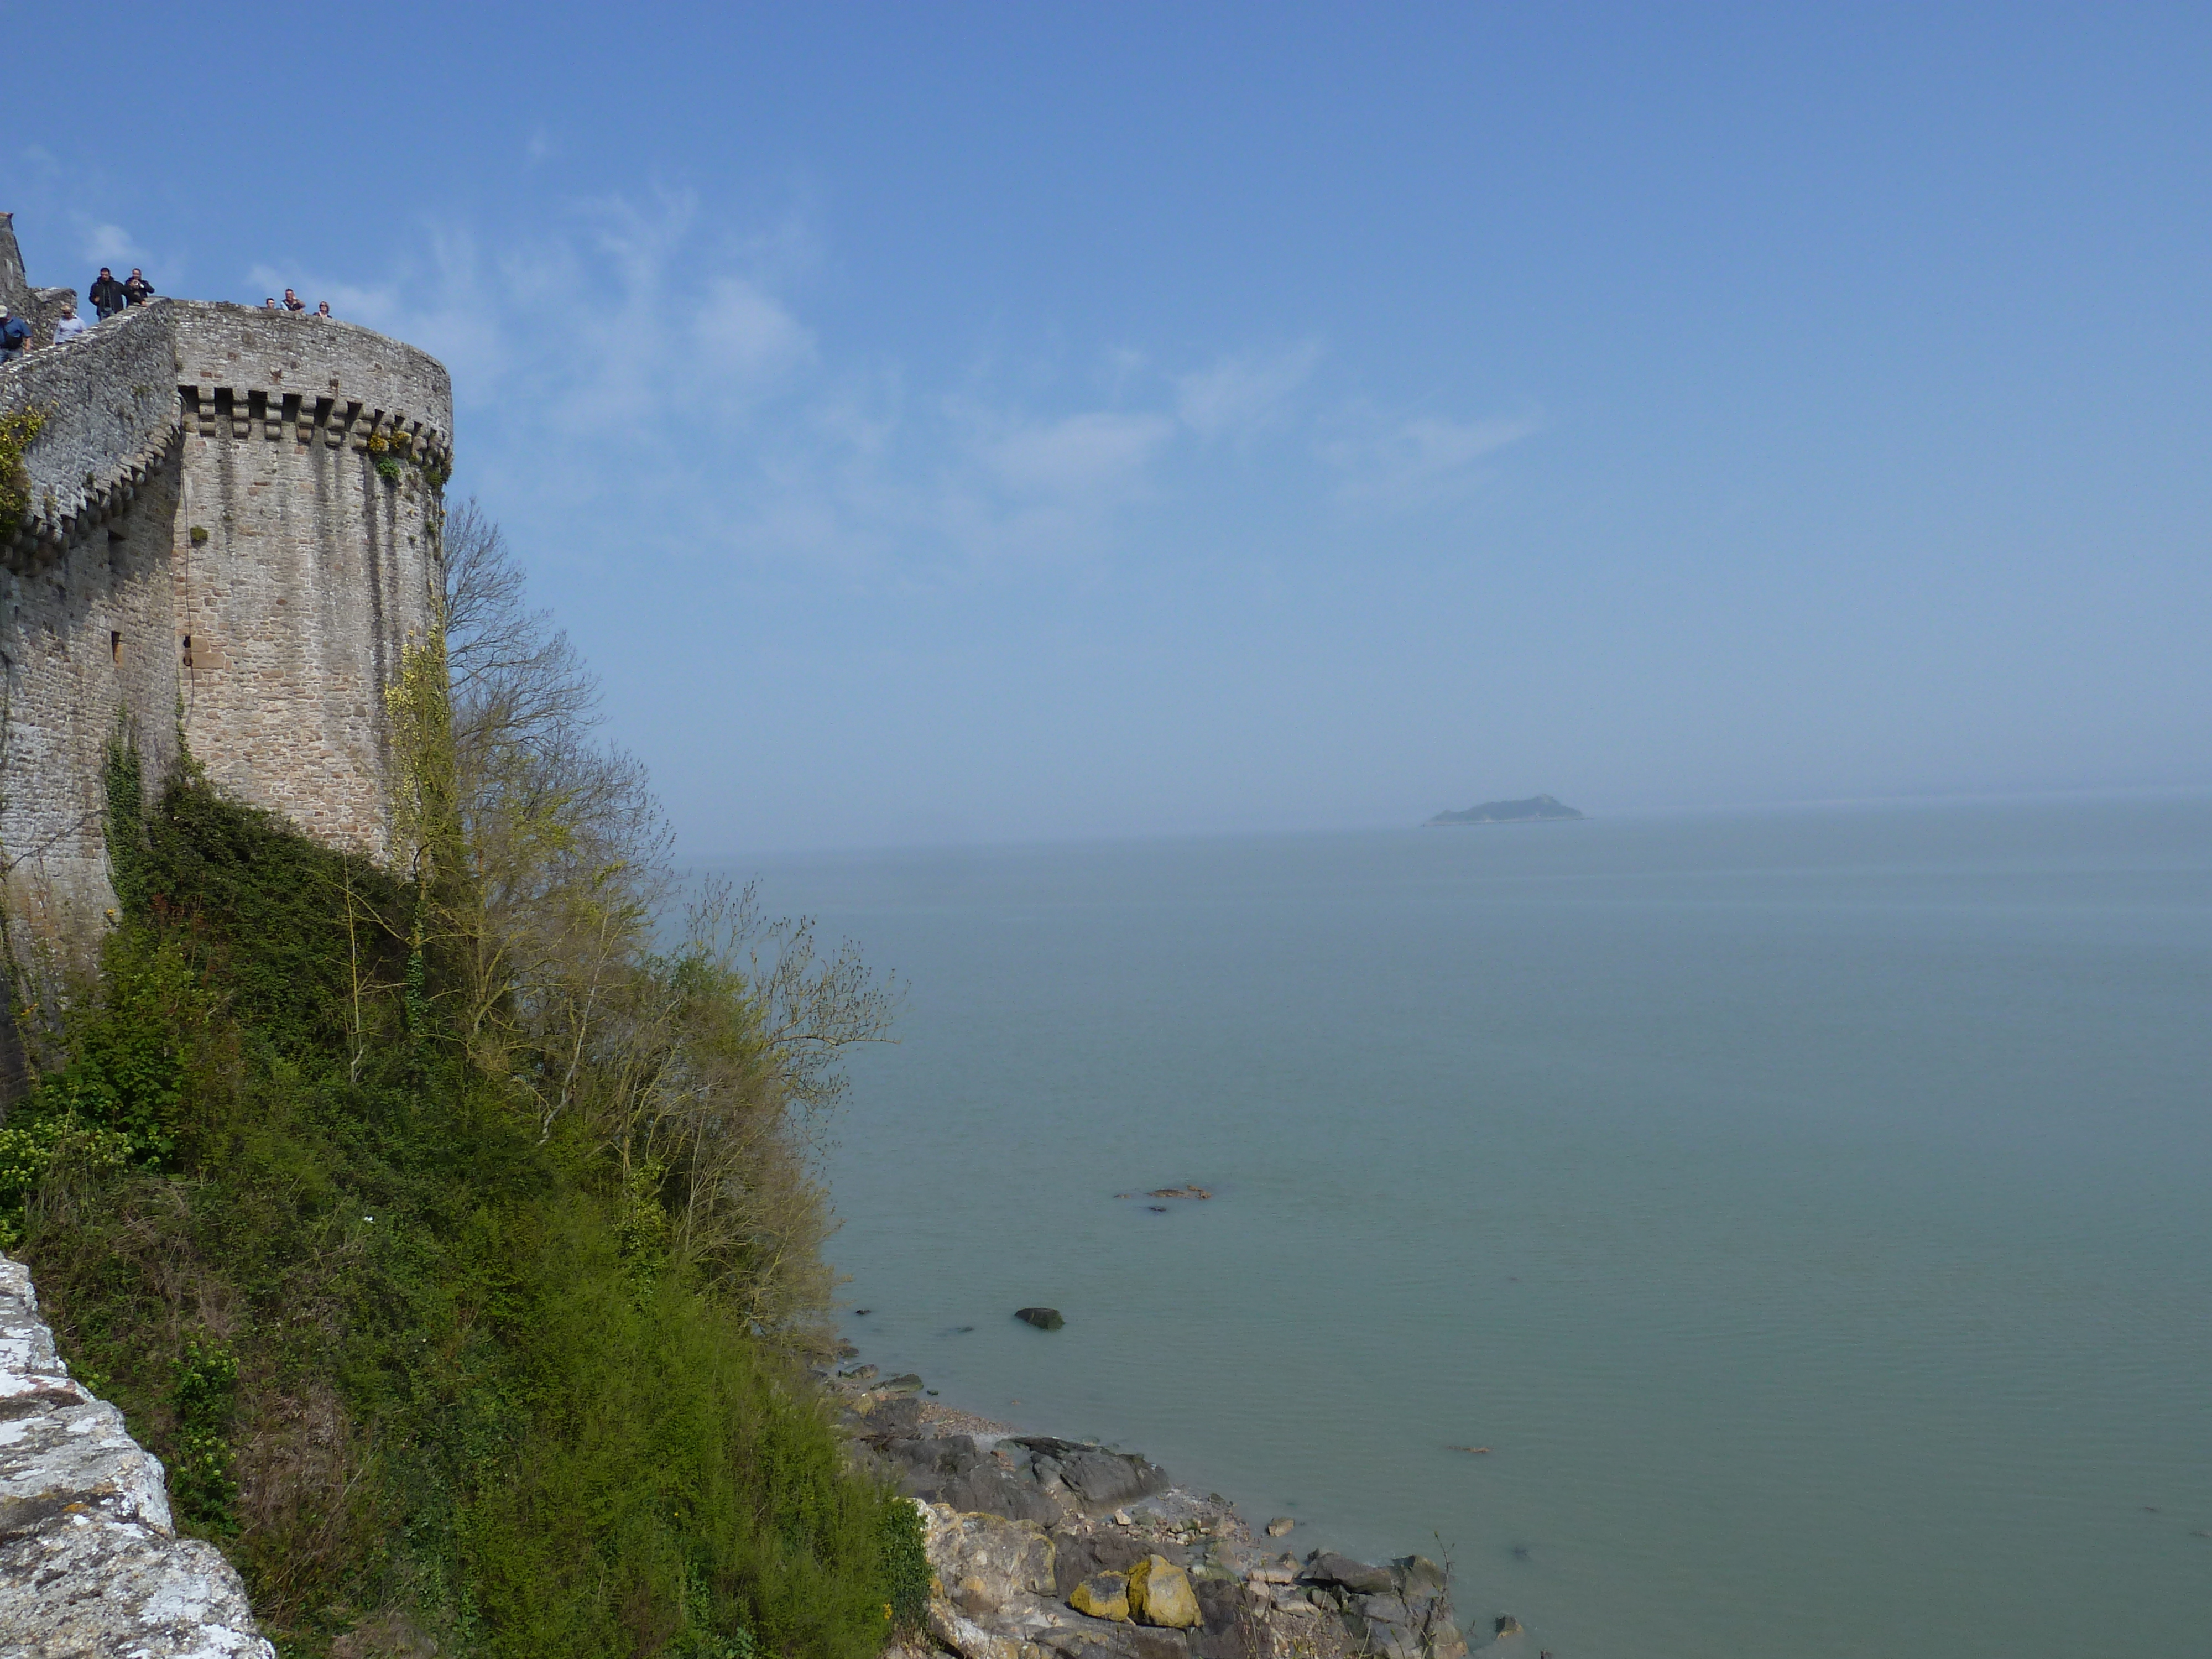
(243, 372)
(114, 402)
(334, 422)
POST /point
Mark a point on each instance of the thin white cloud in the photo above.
(1082, 454)
(747, 333)
(1238, 396)
(1417, 461)
(638, 351)
(111, 245)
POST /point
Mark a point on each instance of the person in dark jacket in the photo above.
(14, 336)
(107, 296)
(137, 290)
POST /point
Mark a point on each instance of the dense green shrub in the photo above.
(413, 1348)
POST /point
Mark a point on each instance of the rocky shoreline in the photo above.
(1046, 1548)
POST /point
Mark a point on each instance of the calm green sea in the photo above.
(1808, 1209)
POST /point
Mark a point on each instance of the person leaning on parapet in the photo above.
(15, 336)
(137, 290)
(294, 303)
(324, 311)
(107, 296)
(70, 324)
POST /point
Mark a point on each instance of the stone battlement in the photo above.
(311, 374)
(111, 414)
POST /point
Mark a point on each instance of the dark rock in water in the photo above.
(1359, 1577)
(862, 1313)
(1418, 1576)
(1099, 1480)
(906, 1383)
(1045, 1318)
(1158, 1209)
(1507, 1625)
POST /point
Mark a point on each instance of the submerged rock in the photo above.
(1045, 1318)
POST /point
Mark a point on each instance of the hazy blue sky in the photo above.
(950, 422)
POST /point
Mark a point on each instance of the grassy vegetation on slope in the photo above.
(442, 1311)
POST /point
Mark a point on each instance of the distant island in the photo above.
(1535, 809)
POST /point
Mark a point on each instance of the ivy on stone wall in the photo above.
(17, 431)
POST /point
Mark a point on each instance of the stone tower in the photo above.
(232, 535)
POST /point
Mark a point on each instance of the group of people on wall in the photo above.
(294, 304)
(110, 297)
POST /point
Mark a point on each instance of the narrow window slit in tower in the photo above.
(114, 647)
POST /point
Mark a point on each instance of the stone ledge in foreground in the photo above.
(90, 1562)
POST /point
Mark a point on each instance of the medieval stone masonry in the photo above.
(232, 535)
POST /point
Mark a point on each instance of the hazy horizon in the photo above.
(711, 862)
(976, 424)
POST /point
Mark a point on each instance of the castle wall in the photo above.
(109, 398)
(86, 619)
(86, 641)
(316, 572)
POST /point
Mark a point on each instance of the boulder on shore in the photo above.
(1099, 1480)
(1103, 1596)
(1160, 1594)
(1357, 1576)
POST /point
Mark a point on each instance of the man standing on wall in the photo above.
(15, 336)
(294, 303)
(108, 297)
(137, 290)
